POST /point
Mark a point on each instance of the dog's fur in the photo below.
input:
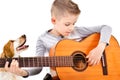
(12, 49)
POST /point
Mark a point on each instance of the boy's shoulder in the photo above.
(46, 36)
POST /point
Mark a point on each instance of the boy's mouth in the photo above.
(68, 32)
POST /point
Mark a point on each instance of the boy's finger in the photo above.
(6, 66)
(16, 62)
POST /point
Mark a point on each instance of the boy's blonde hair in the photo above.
(60, 7)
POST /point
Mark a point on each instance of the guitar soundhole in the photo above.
(79, 60)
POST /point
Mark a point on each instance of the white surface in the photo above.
(32, 17)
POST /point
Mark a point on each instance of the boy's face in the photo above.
(65, 25)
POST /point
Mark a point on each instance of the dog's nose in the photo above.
(24, 36)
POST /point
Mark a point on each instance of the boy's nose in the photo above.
(71, 28)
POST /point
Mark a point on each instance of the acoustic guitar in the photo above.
(70, 62)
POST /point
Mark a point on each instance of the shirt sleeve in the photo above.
(40, 48)
(104, 30)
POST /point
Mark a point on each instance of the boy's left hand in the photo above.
(95, 54)
(15, 69)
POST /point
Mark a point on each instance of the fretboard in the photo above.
(56, 61)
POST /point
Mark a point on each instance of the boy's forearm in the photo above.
(102, 44)
(23, 73)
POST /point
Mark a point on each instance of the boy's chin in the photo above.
(66, 35)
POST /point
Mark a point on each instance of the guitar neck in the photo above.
(55, 61)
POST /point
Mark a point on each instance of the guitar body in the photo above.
(71, 47)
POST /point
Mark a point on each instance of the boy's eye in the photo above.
(67, 24)
(73, 23)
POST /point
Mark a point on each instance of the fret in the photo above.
(37, 62)
(28, 59)
(41, 62)
(23, 62)
(33, 62)
(57, 62)
(51, 61)
(60, 63)
(20, 62)
(71, 61)
(54, 61)
(63, 60)
(45, 61)
(60, 59)
(68, 61)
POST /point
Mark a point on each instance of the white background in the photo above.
(32, 17)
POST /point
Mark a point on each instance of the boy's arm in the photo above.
(15, 69)
(105, 31)
(25, 72)
(94, 55)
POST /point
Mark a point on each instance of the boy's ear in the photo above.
(53, 20)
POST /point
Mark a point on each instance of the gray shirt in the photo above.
(47, 40)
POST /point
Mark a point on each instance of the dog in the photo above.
(11, 49)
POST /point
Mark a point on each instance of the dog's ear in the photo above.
(8, 49)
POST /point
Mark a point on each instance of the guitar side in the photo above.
(69, 47)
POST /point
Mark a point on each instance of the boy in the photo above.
(64, 15)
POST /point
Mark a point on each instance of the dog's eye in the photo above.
(11, 40)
